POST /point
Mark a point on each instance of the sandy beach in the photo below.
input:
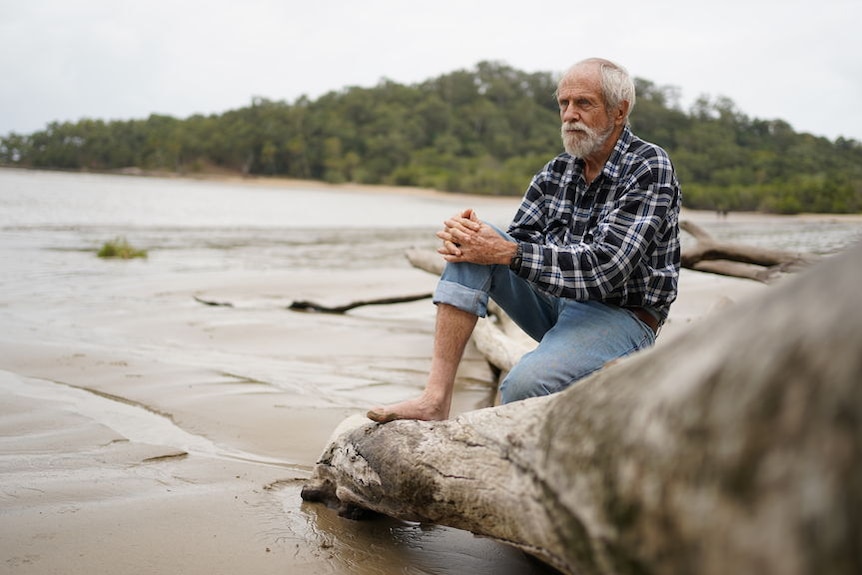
(142, 431)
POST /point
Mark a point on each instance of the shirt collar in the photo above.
(613, 167)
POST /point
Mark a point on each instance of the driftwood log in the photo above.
(738, 260)
(706, 255)
(503, 343)
(736, 450)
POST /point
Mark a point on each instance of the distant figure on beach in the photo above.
(589, 265)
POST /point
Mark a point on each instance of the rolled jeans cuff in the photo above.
(462, 297)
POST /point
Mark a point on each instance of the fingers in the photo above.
(468, 219)
(450, 249)
(458, 230)
(455, 232)
(448, 235)
(471, 223)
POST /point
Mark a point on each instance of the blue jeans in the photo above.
(575, 338)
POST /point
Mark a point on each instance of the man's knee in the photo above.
(521, 384)
(537, 375)
(513, 391)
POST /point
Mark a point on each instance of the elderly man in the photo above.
(588, 267)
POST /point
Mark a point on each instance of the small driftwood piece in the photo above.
(311, 306)
(426, 260)
(213, 303)
(303, 305)
(738, 260)
(736, 450)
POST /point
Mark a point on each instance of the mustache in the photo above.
(576, 127)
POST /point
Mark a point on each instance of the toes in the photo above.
(381, 416)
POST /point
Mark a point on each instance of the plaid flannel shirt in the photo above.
(616, 240)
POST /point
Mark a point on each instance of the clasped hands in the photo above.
(467, 239)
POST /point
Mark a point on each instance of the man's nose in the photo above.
(570, 113)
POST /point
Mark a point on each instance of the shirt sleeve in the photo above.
(598, 265)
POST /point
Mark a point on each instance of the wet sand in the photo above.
(183, 447)
(145, 432)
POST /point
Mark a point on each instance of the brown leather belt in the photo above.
(645, 317)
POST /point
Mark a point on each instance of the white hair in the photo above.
(617, 84)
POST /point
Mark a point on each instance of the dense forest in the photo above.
(484, 131)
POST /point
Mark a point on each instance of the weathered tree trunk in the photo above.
(736, 450)
(738, 260)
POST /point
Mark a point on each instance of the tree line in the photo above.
(486, 130)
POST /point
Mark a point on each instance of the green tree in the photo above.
(482, 130)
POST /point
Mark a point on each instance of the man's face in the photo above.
(586, 123)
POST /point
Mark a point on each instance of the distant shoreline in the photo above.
(273, 182)
(276, 182)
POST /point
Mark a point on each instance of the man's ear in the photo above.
(622, 113)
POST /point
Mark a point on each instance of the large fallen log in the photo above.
(738, 260)
(736, 450)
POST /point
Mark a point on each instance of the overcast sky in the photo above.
(62, 60)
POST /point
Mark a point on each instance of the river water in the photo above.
(259, 246)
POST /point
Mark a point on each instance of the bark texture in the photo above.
(738, 449)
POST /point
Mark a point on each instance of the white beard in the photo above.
(585, 140)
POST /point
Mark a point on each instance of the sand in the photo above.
(154, 434)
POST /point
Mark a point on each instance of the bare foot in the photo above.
(420, 408)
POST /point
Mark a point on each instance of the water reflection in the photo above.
(384, 546)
